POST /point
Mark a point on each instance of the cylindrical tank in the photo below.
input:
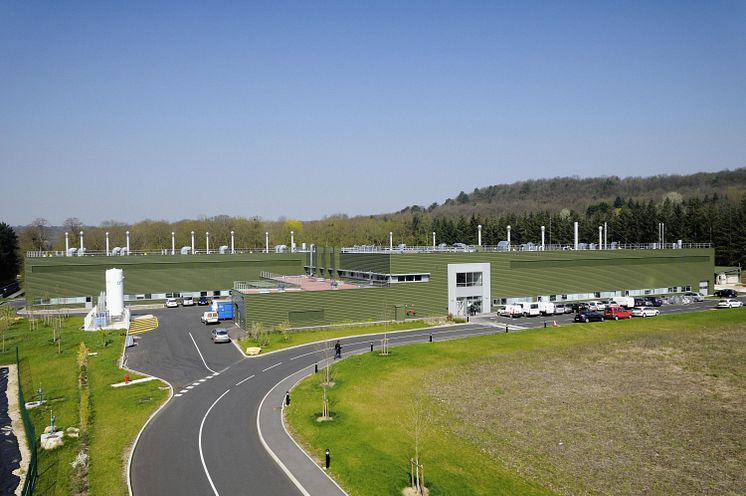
(115, 292)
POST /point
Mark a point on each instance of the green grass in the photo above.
(464, 453)
(279, 341)
(116, 415)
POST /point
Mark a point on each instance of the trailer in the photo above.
(224, 309)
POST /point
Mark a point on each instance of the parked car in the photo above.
(640, 302)
(729, 303)
(187, 301)
(202, 301)
(220, 335)
(617, 312)
(209, 318)
(726, 293)
(694, 296)
(579, 307)
(653, 301)
(560, 309)
(645, 312)
(171, 303)
(596, 306)
(588, 316)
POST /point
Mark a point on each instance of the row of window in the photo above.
(383, 278)
(593, 295)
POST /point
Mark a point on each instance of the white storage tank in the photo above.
(115, 292)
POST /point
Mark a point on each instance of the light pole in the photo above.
(233, 247)
(173, 243)
(107, 243)
(67, 244)
(127, 233)
(192, 242)
(207, 243)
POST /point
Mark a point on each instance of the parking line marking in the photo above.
(272, 366)
(244, 380)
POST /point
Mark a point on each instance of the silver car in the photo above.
(220, 335)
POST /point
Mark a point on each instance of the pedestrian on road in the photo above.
(337, 350)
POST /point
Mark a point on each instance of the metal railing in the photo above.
(522, 247)
(32, 473)
(156, 251)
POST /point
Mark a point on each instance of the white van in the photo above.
(209, 318)
(530, 309)
(511, 311)
(546, 308)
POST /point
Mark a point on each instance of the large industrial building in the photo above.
(331, 285)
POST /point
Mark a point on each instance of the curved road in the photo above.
(205, 440)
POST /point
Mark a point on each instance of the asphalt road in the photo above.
(205, 440)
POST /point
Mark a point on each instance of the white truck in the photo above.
(624, 301)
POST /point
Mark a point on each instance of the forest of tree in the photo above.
(718, 217)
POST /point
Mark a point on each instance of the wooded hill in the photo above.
(699, 208)
(574, 193)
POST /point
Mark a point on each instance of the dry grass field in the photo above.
(656, 413)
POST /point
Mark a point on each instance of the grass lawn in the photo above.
(115, 415)
(646, 406)
(279, 340)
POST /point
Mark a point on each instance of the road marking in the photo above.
(215, 374)
(200, 354)
(272, 453)
(196, 383)
(272, 366)
(190, 387)
(184, 391)
(306, 354)
(244, 380)
(202, 455)
(178, 395)
(202, 380)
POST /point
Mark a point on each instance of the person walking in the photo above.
(337, 350)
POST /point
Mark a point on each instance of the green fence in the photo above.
(31, 475)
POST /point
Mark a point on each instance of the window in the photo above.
(468, 279)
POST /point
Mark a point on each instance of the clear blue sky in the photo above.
(170, 110)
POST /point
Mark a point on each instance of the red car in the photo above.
(617, 312)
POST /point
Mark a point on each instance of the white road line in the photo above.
(201, 455)
(183, 391)
(272, 366)
(202, 380)
(178, 395)
(200, 354)
(305, 354)
(190, 387)
(196, 383)
(244, 380)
